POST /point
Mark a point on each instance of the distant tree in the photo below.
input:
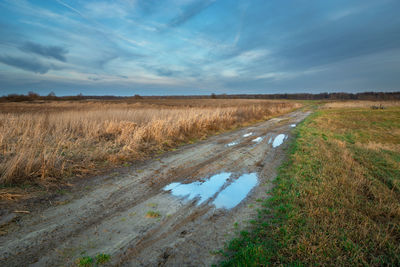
(51, 96)
(137, 97)
(213, 96)
(32, 95)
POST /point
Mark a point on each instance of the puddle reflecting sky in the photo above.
(234, 193)
(248, 134)
(258, 139)
(278, 140)
(228, 198)
(292, 125)
(232, 144)
(201, 190)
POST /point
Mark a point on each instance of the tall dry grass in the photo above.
(46, 142)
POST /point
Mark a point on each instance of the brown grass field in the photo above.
(44, 142)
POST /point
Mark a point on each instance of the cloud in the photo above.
(166, 72)
(190, 11)
(28, 64)
(55, 52)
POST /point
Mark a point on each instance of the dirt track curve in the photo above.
(175, 210)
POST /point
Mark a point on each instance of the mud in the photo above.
(194, 212)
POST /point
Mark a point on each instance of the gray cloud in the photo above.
(28, 64)
(166, 72)
(56, 52)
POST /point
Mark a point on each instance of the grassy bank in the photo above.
(337, 198)
(45, 142)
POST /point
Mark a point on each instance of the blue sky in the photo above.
(157, 47)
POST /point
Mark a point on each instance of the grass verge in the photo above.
(336, 200)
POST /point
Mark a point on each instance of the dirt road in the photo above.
(175, 210)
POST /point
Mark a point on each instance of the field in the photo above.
(45, 142)
(334, 200)
(337, 200)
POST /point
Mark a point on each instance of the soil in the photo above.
(128, 214)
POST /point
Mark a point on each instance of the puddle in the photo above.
(232, 144)
(279, 140)
(270, 140)
(234, 193)
(200, 190)
(247, 135)
(292, 125)
(258, 139)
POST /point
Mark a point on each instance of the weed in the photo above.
(153, 214)
(85, 261)
(102, 258)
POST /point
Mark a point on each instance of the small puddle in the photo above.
(234, 193)
(292, 125)
(270, 140)
(200, 190)
(232, 144)
(278, 140)
(258, 139)
(247, 135)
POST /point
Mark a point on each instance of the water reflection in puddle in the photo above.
(278, 140)
(228, 198)
(292, 125)
(270, 140)
(201, 190)
(258, 139)
(234, 193)
(232, 144)
(247, 135)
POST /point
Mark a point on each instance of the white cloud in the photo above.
(252, 55)
(229, 73)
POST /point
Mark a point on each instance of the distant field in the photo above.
(44, 142)
(337, 200)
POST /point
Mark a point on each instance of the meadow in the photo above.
(336, 201)
(45, 142)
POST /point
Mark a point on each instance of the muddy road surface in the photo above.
(175, 210)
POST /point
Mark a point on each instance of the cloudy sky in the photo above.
(148, 47)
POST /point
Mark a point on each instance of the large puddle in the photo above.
(201, 190)
(228, 198)
(278, 140)
(234, 193)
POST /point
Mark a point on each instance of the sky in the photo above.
(186, 47)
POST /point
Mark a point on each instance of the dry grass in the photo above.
(361, 104)
(45, 142)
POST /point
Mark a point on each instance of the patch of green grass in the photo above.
(102, 258)
(336, 198)
(85, 261)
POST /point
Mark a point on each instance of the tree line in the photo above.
(32, 96)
